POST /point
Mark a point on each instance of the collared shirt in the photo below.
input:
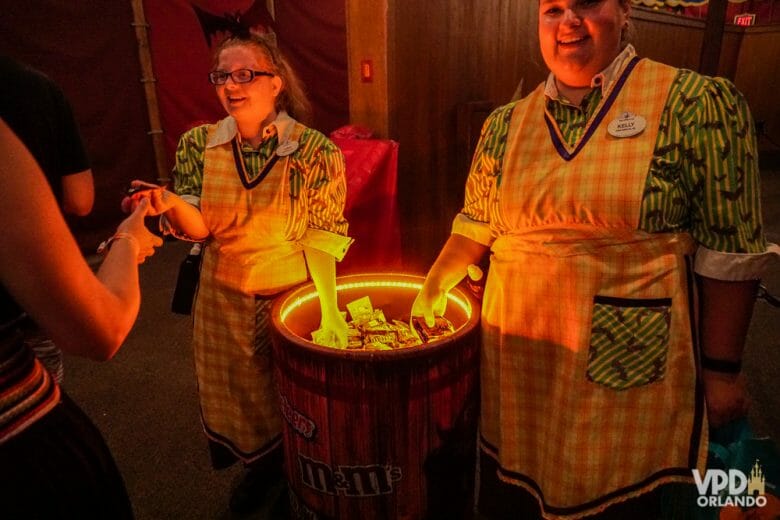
(702, 179)
(281, 126)
(603, 79)
(318, 161)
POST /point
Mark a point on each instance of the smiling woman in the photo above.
(629, 202)
(579, 39)
(265, 194)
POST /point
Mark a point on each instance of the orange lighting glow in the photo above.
(460, 302)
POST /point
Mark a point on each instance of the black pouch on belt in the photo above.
(187, 282)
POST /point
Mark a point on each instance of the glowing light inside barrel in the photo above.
(454, 298)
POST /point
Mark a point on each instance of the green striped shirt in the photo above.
(317, 166)
(703, 177)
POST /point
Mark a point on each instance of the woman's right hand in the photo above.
(429, 303)
(134, 226)
(449, 268)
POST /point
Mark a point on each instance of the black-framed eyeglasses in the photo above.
(219, 77)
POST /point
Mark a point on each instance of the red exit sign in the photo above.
(745, 19)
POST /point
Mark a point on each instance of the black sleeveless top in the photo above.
(10, 312)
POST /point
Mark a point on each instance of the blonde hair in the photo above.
(292, 97)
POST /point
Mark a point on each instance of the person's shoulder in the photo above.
(316, 139)
(26, 80)
(509, 107)
(193, 140)
(14, 70)
(503, 114)
(308, 132)
(715, 89)
(197, 131)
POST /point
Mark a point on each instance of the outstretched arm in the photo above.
(185, 218)
(44, 271)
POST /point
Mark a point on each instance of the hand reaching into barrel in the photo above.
(333, 330)
(429, 303)
(450, 268)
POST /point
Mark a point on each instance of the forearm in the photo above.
(322, 267)
(119, 276)
(42, 268)
(452, 263)
(725, 312)
(187, 219)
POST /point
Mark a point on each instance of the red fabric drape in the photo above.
(89, 48)
(372, 205)
(313, 35)
(182, 60)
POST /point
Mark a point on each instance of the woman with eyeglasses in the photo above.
(265, 194)
(614, 199)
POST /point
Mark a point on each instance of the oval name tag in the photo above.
(627, 125)
(286, 148)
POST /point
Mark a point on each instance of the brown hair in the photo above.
(292, 97)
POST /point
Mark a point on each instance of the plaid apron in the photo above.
(588, 365)
(246, 255)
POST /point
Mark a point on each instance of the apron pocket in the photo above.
(629, 340)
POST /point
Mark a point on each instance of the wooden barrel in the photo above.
(378, 434)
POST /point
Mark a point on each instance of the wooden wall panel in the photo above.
(729, 52)
(445, 53)
(367, 36)
(667, 38)
(756, 76)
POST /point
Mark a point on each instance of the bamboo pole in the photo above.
(150, 90)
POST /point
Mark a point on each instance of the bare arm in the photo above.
(725, 312)
(78, 193)
(726, 309)
(183, 216)
(43, 269)
(322, 267)
(449, 268)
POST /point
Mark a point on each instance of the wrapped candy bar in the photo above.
(441, 327)
(360, 309)
(369, 329)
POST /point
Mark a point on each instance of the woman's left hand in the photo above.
(333, 328)
(726, 397)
